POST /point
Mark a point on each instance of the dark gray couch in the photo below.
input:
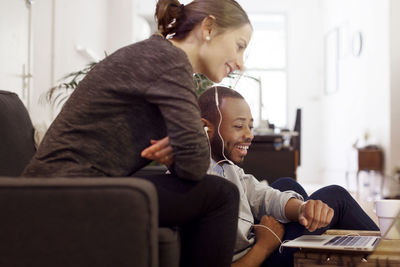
(16, 135)
(73, 221)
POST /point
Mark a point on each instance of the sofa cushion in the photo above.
(16, 135)
(168, 247)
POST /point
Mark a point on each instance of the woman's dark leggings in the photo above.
(206, 213)
(348, 215)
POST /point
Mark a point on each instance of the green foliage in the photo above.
(58, 94)
(202, 83)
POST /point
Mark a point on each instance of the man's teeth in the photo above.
(243, 147)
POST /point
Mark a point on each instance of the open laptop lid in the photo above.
(335, 242)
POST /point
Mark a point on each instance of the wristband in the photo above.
(301, 208)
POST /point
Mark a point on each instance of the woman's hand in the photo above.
(264, 237)
(314, 214)
(160, 151)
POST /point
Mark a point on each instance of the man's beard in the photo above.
(216, 148)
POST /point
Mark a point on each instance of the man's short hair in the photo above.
(208, 105)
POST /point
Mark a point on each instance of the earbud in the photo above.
(208, 38)
(205, 128)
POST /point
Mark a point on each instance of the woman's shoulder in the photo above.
(156, 48)
(155, 54)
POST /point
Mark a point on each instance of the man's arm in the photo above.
(286, 206)
(264, 199)
(266, 243)
(313, 214)
(292, 209)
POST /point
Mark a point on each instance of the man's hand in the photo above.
(314, 214)
(266, 243)
(160, 151)
(264, 237)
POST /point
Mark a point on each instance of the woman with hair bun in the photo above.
(144, 92)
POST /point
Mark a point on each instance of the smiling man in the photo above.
(228, 123)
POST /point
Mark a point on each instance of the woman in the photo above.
(146, 91)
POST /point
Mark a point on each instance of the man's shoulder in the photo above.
(233, 169)
(237, 169)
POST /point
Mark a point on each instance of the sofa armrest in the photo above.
(78, 222)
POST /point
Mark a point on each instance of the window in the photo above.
(264, 82)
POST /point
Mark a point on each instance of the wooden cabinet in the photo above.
(268, 160)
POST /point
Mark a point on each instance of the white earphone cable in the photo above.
(218, 128)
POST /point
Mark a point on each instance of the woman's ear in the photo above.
(208, 27)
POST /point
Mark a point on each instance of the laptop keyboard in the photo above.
(349, 241)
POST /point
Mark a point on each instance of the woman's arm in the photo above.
(176, 99)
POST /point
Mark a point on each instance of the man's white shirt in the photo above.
(256, 199)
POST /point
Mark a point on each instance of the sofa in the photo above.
(74, 221)
(16, 135)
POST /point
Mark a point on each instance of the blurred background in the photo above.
(337, 61)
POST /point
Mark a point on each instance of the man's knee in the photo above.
(332, 192)
(287, 183)
(337, 190)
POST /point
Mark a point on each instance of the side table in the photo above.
(371, 160)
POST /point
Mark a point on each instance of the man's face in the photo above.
(236, 130)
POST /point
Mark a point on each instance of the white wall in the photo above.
(394, 154)
(362, 102)
(78, 24)
(305, 71)
(367, 94)
(43, 77)
(368, 87)
(14, 48)
(61, 28)
(120, 22)
(305, 81)
(70, 34)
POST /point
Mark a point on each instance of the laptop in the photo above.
(365, 243)
(335, 242)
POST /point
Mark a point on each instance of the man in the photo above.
(228, 121)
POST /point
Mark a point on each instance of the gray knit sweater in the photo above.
(143, 91)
